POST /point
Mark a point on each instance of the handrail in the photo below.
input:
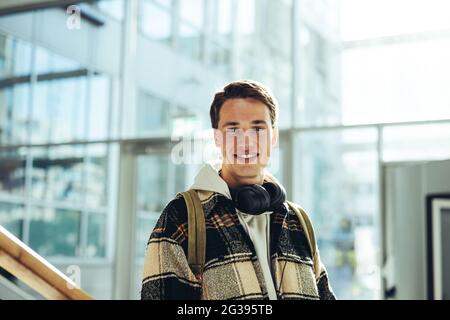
(32, 269)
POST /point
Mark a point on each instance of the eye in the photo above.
(232, 130)
(259, 129)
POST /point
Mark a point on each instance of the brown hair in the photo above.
(243, 89)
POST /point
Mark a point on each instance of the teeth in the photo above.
(247, 156)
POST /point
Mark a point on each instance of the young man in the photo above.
(256, 246)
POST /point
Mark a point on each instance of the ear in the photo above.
(275, 136)
(218, 140)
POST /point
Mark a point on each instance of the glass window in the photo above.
(99, 110)
(14, 101)
(190, 41)
(224, 15)
(361, 19)
(40, 119)
(283, 91)
(114, 8)
(336, 182)
(57, 174)
(96, 241)
(180, 178)
(15, 57)
(276, 30)
(319, 100)
(152, 180)
(11, 218)
(59, 110)
(96, 176)
(396, 82)
(220, 57)
(191, 11)
(155, 22)
(152, 114)
(48, 62)
(12, 172)
(164, 3)
(416, 142)
(55, 232)
(246, 17)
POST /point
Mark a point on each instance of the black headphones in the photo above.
(256, 199)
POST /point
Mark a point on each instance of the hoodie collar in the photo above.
(208, 179)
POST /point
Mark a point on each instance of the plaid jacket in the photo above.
(232, 270)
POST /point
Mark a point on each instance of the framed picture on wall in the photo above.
(438, 246)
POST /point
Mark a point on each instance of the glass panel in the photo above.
(180, 178)
(96, 175)
(49, 62)
(246, 27)
(15, 57)
(192, 11)
(220, 57)
(415, 143)
(98, 113)
(189, 41)
(57, 174)
(155, 22)
(246, 17)
(319, 100)
(114, 8)
(152, 114)
(361, 19)
(224, 19)
(96, 241)
(164, 3)
(14, 101)
(152, 182)
(55, 232)
(397, 82)
(12, 172)
(59, 110)
(336, 182)
(11, 218)
(41, 114)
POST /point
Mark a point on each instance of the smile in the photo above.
(247, 156)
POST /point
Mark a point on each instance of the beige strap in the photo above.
(196, 232)
(309, 231)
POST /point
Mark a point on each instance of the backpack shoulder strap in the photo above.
(196, 232)
(309, 232)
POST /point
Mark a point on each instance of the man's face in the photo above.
(245, 136)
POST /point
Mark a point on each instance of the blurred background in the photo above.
(93, 94)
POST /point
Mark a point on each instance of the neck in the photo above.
(234, 181)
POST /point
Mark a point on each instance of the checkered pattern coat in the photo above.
(232, 270)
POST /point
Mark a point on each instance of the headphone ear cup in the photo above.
(263, 197)
(252, 199)
(276, 193)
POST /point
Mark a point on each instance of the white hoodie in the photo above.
(257, 226)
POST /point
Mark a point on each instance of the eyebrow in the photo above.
(235, 123)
